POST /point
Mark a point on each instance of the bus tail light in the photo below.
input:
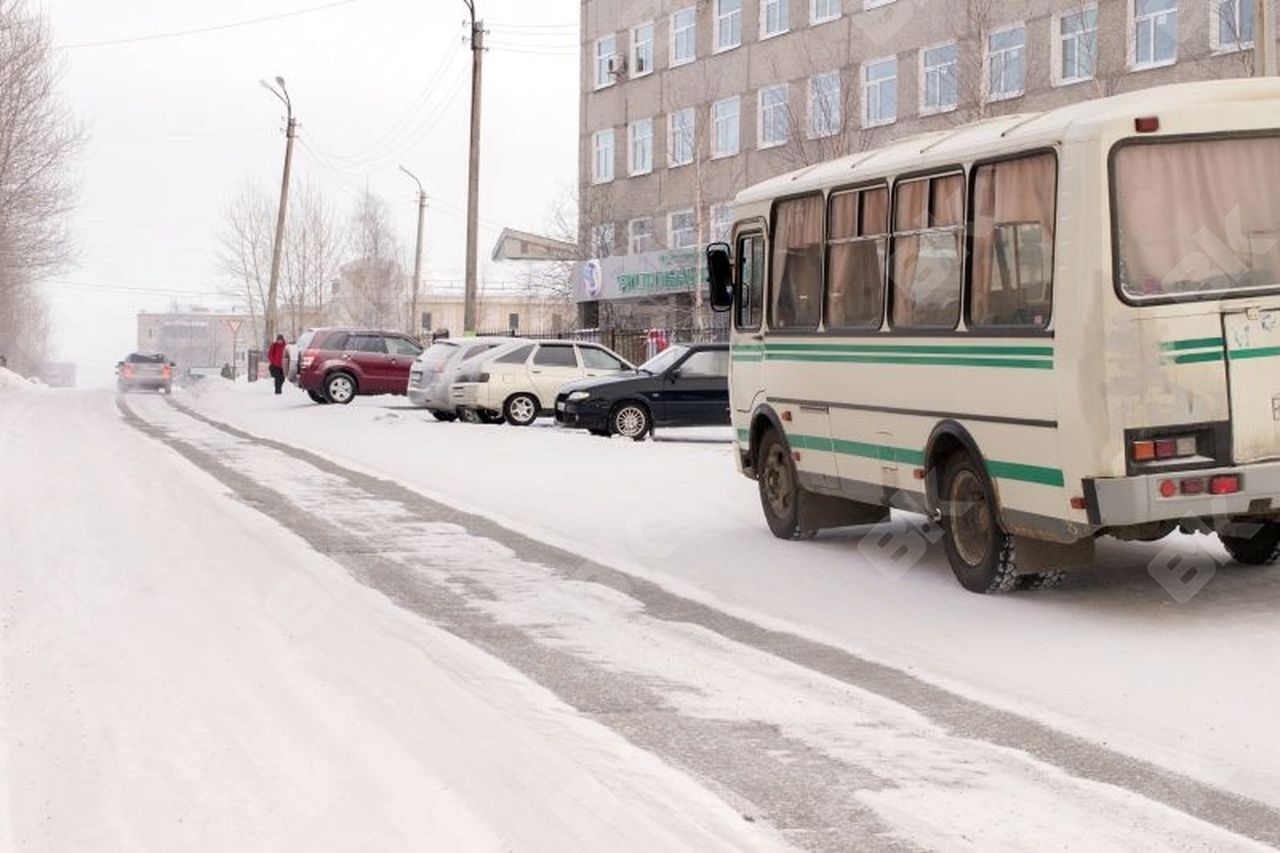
(1147, 124)
(1193, 486)
(1224, 484)
(1162, 449)
(1168, 488)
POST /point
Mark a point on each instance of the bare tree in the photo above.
(312, 255)
(244, 248)
(584, 222)
(373, 282)
(37, 140)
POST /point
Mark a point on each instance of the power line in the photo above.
(209, 29)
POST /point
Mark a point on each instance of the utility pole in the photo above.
(415, 325)
(473, 177)
(1264, 38)
(291, 129)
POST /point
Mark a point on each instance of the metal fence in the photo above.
(635, 345)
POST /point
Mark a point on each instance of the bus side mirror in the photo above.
(720, 276)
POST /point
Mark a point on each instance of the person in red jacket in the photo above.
(276, 356)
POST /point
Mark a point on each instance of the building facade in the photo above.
(686, 102)
(198, 339)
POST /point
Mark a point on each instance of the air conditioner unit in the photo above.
(617, 65)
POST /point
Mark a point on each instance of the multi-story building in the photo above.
(686, 102)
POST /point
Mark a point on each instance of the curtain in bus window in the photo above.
(1198, 216)
(927, 244)
(797, 264)
(1013, 242)
(855, 259)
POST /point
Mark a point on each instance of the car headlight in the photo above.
(579, 396)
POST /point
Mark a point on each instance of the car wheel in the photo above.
(630, 420)
(521, 409)
(779, 488)
(317, 397)
(1256, 544)
(340, 388)
(444, 417)
(979, 550)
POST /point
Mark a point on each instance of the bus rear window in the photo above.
(1197, 217)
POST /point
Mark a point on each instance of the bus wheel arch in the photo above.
(947, 439)
(763, 420)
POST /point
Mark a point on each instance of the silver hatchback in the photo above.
(436, 370)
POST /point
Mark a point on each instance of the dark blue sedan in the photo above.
(685, 385)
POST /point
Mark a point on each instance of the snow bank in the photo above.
(10, 381)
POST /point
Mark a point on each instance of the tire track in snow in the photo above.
(819, 800)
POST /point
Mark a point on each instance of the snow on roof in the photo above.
(1022, 130)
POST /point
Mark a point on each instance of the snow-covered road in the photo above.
(311, 652)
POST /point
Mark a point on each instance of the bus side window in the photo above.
(796, 270)
(750, 281)
(857, 245)
(928, 235)
(1013, 240)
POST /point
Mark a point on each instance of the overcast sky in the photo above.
(177, 125)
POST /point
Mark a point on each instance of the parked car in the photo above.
(294, 352)
(435, 371)
(144, 371)
(339, 365)
(518, 382)
(684, 386)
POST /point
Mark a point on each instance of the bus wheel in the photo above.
(980, 552)
(1260, 548)
(779, 489)
(1042, 580)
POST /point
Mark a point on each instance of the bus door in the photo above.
(1253, 347)
(746, 379)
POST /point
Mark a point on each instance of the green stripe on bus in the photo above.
(1196, 357)
(1036, 474)
(922, 349)
(1257, 352)
(1191, 343)
(953, 361)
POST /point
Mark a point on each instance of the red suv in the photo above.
(337, 365)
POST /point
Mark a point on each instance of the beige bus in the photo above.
(1037, 329)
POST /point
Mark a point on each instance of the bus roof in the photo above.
(994, 136)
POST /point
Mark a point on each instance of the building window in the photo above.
(825, 113)
(775, 116)
(928, 239)
(821, 11)
(1006, 63)
(680, 137)
(606, 48)
(1155, 32)
(775, 17)
(682, 230)
(1013, 224)
(728, 24)
(724, 122)
(857, 246)
(880, 92)
(602, 156)
(640, 147)
(602, 240)
(684, 36)
(721, 222)
(642, 50)
(872, 4)
(640, 234)
(1233, 24)
(1077, 46)
(940, 91)
(797, 263)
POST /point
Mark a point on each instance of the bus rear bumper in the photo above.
(1207, 493)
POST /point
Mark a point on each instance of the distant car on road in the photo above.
(682, 386)
(144, 371)
(520, 381)
(338, 365)
(433, 374)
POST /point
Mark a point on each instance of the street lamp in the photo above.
(281, 92)
(414, 323)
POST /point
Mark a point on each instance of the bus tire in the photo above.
(779, 488)
(1260, 549)
(1042, 580)
(979, 550)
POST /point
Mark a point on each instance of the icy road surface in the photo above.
(300, 655)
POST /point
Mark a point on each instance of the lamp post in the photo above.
(415, 326)
(291, 127)
(473, 173)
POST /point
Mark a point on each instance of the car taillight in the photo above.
(440, 367)
(308, 359)
(127, 371)
(167, 372)
(1161, 449)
